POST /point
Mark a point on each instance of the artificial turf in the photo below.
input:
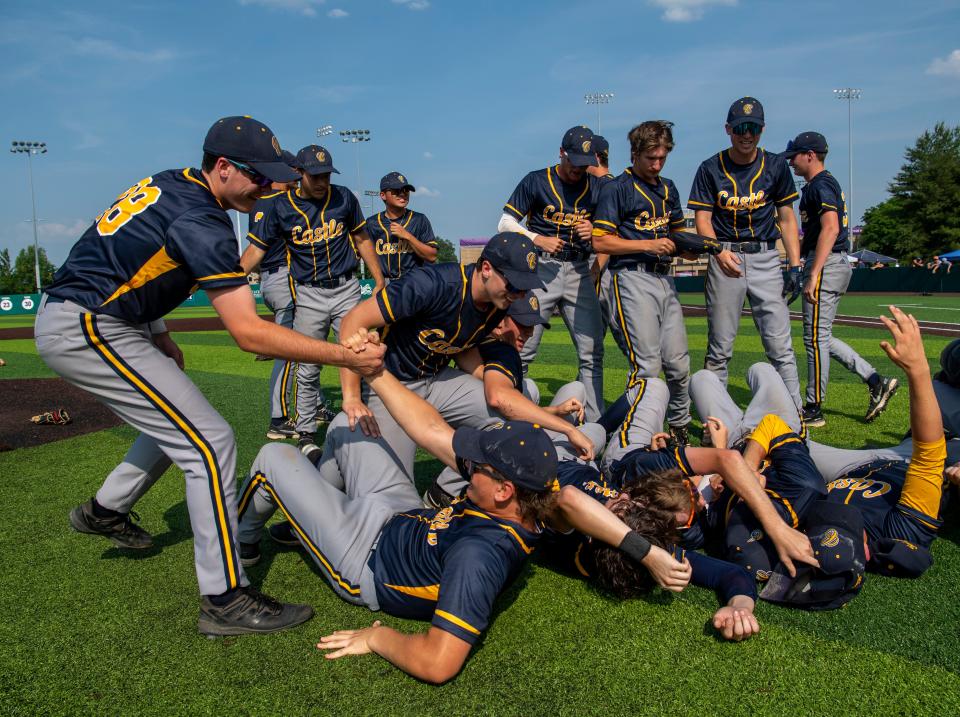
(92, 629)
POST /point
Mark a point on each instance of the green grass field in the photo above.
(89, 629)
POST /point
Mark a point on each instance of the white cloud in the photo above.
(95, 47)
(56, 238)
(414, 4)
(337, 13)
(949, 66)
(304, 7)
(687, 10)
(428, 155)
(87, 138)
(427, 192)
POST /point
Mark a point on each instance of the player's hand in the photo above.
(661, 247)
(729, 263)
(952, 474)
(666, 571)
(659, 441)
(719, 435)
(169, 348)
(792, 284)
(397, 230)
(792, 545)
(348, 642)
(907, 351)
(571, 407)
(367, 362)
(358, 342)
(584, 446)
(584, 230)
(735, 624)
(810, 287)
(359, 414)
(549, 244)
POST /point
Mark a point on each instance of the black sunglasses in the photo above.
(751, 127)
(255, 176)
(402, 190)
(511, 289)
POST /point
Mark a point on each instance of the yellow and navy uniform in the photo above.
(431, 316)
(743, 197)
(448, 565)
(636, 210)
(396, 256)
(316, 231)
(276, 256)
(502, 358)
(822, 194)
(901, 505)
(162, 239)
(552, 207)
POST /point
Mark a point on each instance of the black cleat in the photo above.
(880, 397)
(812, 416)
(307, 447)
(436, 497)
(120, 528)
(324, 415)
(249, 554)
(281, 429)
(250, 611)
(283, 534)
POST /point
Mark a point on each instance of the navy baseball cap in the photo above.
(578, 146)
(395, 180)
(289, 158)
(246, 140)
(835, 531)
(514, 256)
(950, 364)
(600, 144)
(899, 558)
(526, 312)
(746, 109)
(522, 452)
(314, 159)
(806, 142)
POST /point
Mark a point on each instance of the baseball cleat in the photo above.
(680, 435)
(283, 534)
(120, 529)
(250, 611)
(281, 429)
(436, 497)
(307, 447)
(324, 415)
(812, 416)
(249, 554)
(880, 397)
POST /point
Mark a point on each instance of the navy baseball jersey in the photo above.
(822, 194)
(448, 566)
(502, 358)
(396, 256)
(430, 316)
(743, 197)
(552, 208)
(635, 210)
(276, 255)
(317, 233)
(162, 239)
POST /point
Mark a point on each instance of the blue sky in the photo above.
(464, 98)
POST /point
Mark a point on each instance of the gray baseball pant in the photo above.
(569, 284)
(769, 395)
(818, 339)
(647, 309)
(604, 289)
(276, 288)
(318, 310)
(117, 362)
(648, 400)
(761, 283)
(337, 527)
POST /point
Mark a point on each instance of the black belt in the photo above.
(749, 247)
(274, 270)
(658, 268)
(329, 283)
(565, 254)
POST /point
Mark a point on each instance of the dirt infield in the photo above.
(22, 398)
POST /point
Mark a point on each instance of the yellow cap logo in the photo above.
(321, 157)
(748, 109)
(830, 539)
(585, 146)
(276, 145)
(531, 260)
(534, 304)
(402, 178)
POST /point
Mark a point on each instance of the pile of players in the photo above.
(441, 348)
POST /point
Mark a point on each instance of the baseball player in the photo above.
(743, 197)
(100, 327)
(324, 232)
(826, 275)
(276, 288)
(403, 238)
(557, 204)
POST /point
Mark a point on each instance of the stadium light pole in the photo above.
(849, 94)
(325, 130)
(30, 149)
(356, 137)
(598, 98)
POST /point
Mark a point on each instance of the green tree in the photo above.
(6, 277)
(445, 251)
(23, 278)
(887, 231)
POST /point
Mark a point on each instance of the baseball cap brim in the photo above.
(467, 444)
(529, 318)
(320, 169)
(743, 120)
(275, 171)
(582, 160)
(523, 280)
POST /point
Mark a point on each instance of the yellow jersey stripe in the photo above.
(699, 204)
(157, 265)
(507, 528)
(386, 303)
(425, 592)
(457, 621)
(228, 275)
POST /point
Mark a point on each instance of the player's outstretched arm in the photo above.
(421, 421)
(236, 307)
(251, 257)
(434, 656)
(789, 233)
(368, 253)
(363, 316)
(735, 621)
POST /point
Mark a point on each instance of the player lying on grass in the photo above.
(359, 518)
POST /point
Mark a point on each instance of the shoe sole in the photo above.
(884, 400)
(212, 630)
(817, 423)
(79, 524)
(281, 435)
(249, 562)
(294, 543)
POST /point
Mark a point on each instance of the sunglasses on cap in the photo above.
(254, 175)
(751, 127)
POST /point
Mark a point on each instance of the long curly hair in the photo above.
(651, 507)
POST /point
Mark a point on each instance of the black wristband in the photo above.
(635, 546)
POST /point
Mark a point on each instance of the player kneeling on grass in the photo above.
(377, 547)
